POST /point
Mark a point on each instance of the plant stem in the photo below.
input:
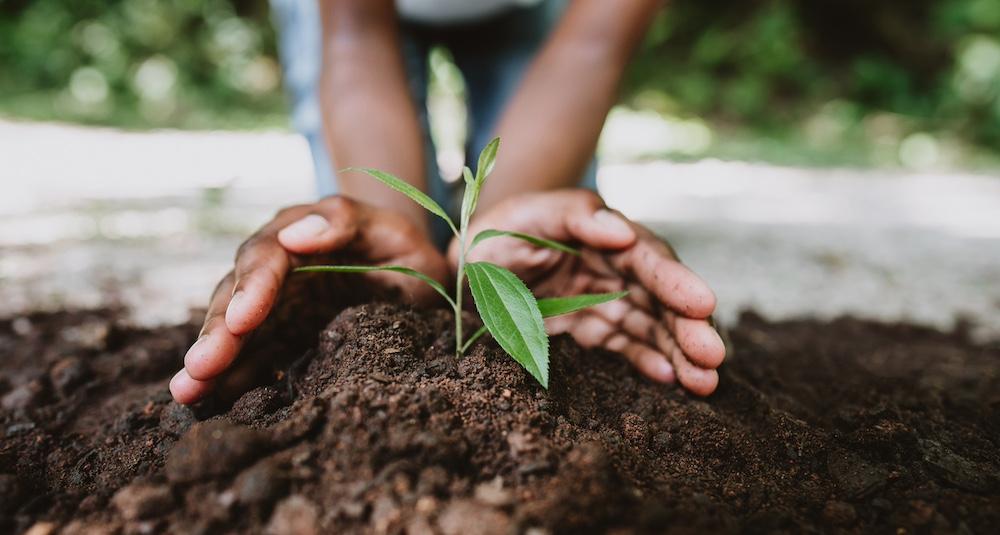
(459, 348)
(472, 339)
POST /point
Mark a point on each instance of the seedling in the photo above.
(507, 307)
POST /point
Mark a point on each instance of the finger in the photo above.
(647, 360)
(561, 324)
(699, 342)
(673, 284)
(330, 225)
(216, 347)
(261, 266)
(590, 223)
(699, 381)
(187, 390)
(640, 297)
(591, 330)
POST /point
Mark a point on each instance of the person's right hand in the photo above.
(244, 298)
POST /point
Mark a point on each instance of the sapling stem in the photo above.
(460, 276)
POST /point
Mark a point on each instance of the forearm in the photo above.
(368, 114)
(551, 127)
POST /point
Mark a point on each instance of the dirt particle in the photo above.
(212, 448)
(140, 501)
(855, 476)
(295, 515)
(466, 517)
(633, 428)
(419, 525)
(839, 513)
(90, 335)
(255, 404)
(22, 326)
(176, 419)
(520, 443)
(261, 483)
(493, 493)
(79, 527)
(42, 528)
(67, 374)
(24, 396)
(10, 492)
(385, 514)
(954, 469)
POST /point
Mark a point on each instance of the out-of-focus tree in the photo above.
(193, 63)
(885, 67)
(931, 64)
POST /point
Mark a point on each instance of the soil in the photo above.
(373, 426)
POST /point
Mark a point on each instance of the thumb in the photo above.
(328, 227)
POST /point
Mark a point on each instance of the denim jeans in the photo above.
(492, 54)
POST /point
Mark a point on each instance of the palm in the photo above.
(662, 326)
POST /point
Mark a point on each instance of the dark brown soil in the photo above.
(817, 426)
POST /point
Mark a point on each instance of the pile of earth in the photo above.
(374, 426)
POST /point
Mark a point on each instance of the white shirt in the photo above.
(449, 11)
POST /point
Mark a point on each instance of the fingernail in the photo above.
(196, 351)
(234, 304)
(306, 228)
(612, 222)
(665, 371)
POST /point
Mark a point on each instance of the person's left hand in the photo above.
(662, 327)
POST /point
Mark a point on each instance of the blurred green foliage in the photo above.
(867, 71)
(872, 71)
(140, 63)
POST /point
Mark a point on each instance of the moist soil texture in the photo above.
(371, 425)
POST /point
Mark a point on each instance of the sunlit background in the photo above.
(808, 157)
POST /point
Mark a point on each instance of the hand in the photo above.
(244, 298)
(662, 327)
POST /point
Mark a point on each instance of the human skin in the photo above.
(663, 325)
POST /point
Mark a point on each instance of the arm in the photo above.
(550, 128)
(368, 114)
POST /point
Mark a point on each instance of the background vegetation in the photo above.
(800, 81)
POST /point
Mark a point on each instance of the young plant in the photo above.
(506, 306)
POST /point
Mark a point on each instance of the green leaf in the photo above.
(467, 175)
(511, 314)
(556, 306)
(407, 189)
(470, 198)
(487, 160)
(367, 269)
(534, 240)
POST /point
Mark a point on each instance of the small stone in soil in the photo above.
(212, 448)
(140, 501)
(295, 515)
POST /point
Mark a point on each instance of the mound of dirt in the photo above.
(376, 427)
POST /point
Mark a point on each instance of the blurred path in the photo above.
(91, 216)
